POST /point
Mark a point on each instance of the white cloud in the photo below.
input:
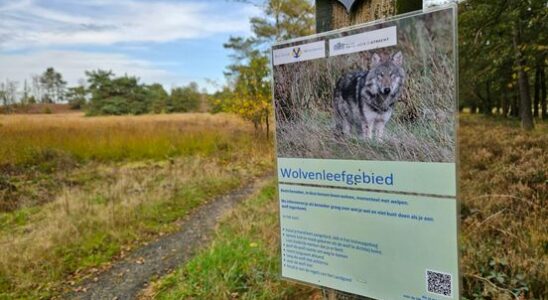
(72, 64)
(28, 23)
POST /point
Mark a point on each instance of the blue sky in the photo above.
(170, 42)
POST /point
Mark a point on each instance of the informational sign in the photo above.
(366, 157)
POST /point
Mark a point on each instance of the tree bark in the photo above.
(525, 100)
(515, 106)
(523, 83)
(543, 100)
(267, 126)
(536, 99)
(487, 107)
(505, 104)
(498, 105)
(473, 108)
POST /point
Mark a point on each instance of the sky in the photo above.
(170, 42)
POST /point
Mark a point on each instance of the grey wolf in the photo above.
(365, 100)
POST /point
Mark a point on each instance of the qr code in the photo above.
(438, 283)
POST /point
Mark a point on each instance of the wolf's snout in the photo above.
(386, 91)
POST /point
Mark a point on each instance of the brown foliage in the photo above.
(503, 189)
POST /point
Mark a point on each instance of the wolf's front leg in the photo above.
(367, 130)
(380, 123)
(379, 129)
(368, 122)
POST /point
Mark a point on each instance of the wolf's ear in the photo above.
(375, 60)
(397, 59)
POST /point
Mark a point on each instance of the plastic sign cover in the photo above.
(366, 157)
(430, 3)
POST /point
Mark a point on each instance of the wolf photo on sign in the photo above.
(365, 99)
(381, 92)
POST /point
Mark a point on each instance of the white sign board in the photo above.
(366, 157)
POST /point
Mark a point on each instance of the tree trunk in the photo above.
(543, 106)
(331, 14)
(267, 126)
(515, 106)
(498, 104)
(505, 104)
(473, 108)
(523, 83)
(525, 100)
(487, 109)
(536, 101)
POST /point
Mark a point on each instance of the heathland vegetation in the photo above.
(77, 192)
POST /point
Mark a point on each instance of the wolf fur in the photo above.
(365, 100)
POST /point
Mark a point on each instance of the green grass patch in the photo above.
(19, 218)
(243, 261)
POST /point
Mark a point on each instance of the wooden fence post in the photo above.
(332, 14)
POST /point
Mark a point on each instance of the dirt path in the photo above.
(126, 278)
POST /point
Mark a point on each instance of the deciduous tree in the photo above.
(248, 93)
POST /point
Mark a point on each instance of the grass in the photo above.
(504, 232)
(403, 141)
(101, 203)
(422, 126)
(242, 263)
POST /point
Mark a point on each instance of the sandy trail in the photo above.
(128, 277)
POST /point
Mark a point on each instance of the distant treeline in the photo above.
(503, 47)
(103, 93)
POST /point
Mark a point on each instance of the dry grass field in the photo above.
(78, 192)
(24, 137)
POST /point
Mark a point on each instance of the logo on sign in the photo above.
(339, 46)
(297, 52)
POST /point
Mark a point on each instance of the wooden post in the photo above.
(330, 15)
